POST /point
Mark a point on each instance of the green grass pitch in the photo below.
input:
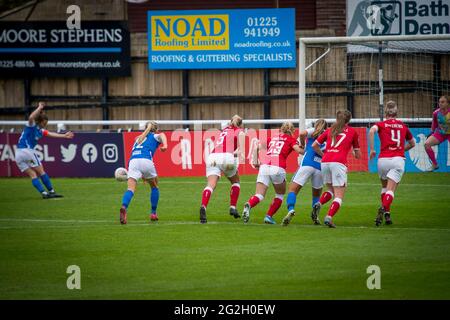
(177, 258)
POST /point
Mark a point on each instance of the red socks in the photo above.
(275, 205)
(335, 205)
(431, 155)
(234, 194)
(326, 196)
(387, 200)
(206, 196)
(254, 200)
(383, 192)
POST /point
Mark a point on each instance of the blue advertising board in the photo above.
(86, 155)
(220, 39)
(417, 159)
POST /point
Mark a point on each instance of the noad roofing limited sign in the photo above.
(220, 39)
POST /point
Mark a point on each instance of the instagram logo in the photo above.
(110, 153)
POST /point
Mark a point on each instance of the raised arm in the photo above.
(302, 138)
(67, 135)
(35, 113)
(163, 142)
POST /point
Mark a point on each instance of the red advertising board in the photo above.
(187, 151)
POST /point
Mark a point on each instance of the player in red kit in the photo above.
(391, 161)
(273, 170)
(339, 138)
(228, 149)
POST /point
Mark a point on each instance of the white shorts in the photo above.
(221, 162)
(334, 173)
(274, 174)
(26, 158)
(141, 168)
(304, 173)
(392, 168)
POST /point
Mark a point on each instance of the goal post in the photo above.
(381, 47)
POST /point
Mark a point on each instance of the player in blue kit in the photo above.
(141, 166)
(26, 158)
(309, 169)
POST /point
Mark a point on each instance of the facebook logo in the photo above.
(89, 153)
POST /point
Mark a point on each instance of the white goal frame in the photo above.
(303, 42)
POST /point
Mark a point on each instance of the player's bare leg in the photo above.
(206, 195)
(154, 197)
(128, 195)
(293, 191)
(234, 195)
(280, 190)
(261, 190)
(316, 209)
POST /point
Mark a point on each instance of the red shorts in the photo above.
(441, 137)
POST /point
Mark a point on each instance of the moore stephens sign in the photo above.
(51, 49)
(413, 17)
(218, 39)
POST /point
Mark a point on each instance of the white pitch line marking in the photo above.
(172, 223)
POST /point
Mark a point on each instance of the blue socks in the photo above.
(46, 181)
(127, 196)
(37, 185)
(291, 199)
(154, 198)
(315, 200)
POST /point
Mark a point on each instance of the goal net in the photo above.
(362, 74)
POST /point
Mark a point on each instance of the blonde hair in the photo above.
(319, 127)
(287, 128)
(342, 118)
(445, 97)
(152, 126)
(236, 121)
(391, 109)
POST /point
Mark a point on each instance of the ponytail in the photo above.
(236, 121)
(342, 118)
(152, 126)
(288, 128)
(319, 127)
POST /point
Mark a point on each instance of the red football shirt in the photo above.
(337, 150)
(393, 133)
(278, 149)
(227, 141)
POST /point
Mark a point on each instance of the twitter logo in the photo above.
(68, 154)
